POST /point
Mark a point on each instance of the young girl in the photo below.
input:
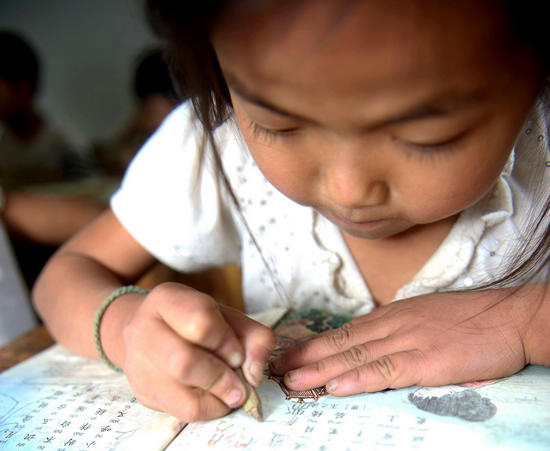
(346, 154)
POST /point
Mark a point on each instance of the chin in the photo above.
(372, 235)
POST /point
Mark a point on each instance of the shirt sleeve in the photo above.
(172, 205)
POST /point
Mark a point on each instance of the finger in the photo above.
(195, 317)
(185, 403)
(258, 341)
(193, 366)
(326, 344)
(401, 369)
(320, 372)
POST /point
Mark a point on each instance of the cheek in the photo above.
(455, 187)
(282, 167)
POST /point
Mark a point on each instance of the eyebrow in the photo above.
(257, 100)
(438, 106)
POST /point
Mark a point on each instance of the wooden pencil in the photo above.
(253, 404)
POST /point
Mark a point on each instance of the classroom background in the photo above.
(89, 54)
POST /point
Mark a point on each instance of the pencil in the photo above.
(253, 404)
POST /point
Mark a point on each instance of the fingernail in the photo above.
(256, 372)
(235, 359)
(234, 398)
(293, 375)
(332, 385)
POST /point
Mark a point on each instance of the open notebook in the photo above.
(57, 400)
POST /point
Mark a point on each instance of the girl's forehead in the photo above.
(372, 46)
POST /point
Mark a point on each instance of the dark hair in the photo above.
(153, 76)
(18, 60)
(186, 28)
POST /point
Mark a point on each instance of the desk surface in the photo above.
(24, 347)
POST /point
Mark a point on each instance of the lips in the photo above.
(347, 221)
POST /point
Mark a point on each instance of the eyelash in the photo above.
(433, 149)
(426, 149)
(269, 134)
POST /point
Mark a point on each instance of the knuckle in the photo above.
(340, 338)
(200, 325)
(355, 356)
(322, 366)
(197, 405)
(179, 365)
(384, 367)
(216, 380)
(201, 330)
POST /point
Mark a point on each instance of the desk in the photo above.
(24, 347)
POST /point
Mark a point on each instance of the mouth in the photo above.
(362, 223)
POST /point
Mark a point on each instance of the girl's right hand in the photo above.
(181, 349)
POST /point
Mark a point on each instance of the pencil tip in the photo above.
(256, 413)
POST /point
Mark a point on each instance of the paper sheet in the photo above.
(58, 400)
(390, 420)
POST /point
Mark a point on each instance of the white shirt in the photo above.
(191, 228)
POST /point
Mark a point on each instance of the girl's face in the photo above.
(383, 115)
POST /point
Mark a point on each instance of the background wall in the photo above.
(88, 50)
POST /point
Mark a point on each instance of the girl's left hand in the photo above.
(429, 340)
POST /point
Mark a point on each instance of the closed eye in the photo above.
(447, 144)
(259, 131)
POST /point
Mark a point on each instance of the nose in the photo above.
(352, 182)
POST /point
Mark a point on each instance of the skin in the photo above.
(389, 125)
(386, 148)
(45, 219)
(175, 337)
(345, 78)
